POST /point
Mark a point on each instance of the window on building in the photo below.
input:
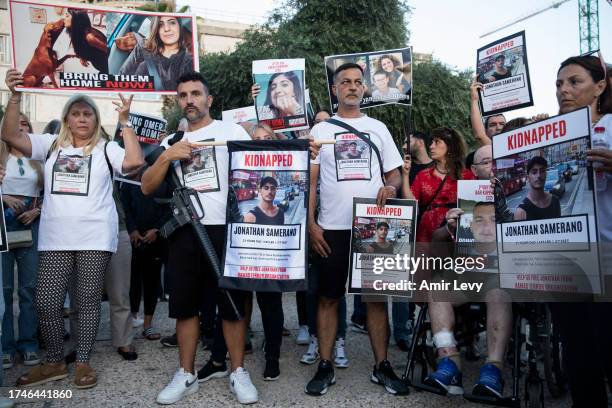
(5, 50)
(3, 4)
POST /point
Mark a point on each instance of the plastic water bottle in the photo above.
(599, 141)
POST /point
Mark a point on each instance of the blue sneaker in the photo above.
(490, 382)
(447, 378)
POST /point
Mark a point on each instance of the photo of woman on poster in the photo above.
(167, 50)
(89, 44)
(284, 95)
(393, 66)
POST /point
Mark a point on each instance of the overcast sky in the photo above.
(450, 31)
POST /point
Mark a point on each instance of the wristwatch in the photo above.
(127, 125)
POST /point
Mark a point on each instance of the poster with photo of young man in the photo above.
(551, 244)
(379, 234)
(502, 68)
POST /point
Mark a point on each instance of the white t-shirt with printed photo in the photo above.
(347, 171)
(214, 202)
(85, 219)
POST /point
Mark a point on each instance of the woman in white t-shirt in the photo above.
(585, 327)
(21, 198)
(78, 226)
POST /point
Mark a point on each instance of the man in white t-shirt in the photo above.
(188, 267)
(330, 235)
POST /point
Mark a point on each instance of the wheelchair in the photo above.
(534, 351)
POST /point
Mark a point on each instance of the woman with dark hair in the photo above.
(166, 49)
(284, 95)
(391, 65)
(584, 327)
(436, 187)
(88, 43)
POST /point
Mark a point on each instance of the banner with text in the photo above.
(502, 68)
(150, 131)
(551, 245)
(267, 207)
(379, 236)
(62, 47)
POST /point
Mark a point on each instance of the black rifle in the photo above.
(187, 209)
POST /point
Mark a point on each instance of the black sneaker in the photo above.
(323, 378)
(170, 341)
(210, 371)
(384, 375)
(359, 325)
(272, 371)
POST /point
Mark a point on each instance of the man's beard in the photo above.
(195, 115)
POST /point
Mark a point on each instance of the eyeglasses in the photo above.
(20, 163)
(485, 162)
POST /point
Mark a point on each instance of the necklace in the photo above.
(438, 170)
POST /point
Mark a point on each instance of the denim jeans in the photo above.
(27, 271)
(1, 316)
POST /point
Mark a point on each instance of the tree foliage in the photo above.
(313, 29)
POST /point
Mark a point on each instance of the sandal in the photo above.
(151, 334)
(43, 373)
(85, 377)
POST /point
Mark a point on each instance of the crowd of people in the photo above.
(77, 240)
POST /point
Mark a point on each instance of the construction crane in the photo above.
(588, 22)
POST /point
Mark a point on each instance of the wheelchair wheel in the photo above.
(534, 394)
(419, 372)
(552, 360)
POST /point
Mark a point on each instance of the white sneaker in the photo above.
(242, 387)
(312, 354)
(137, 322)
(341, 360)
(182, 384)
(303, 337)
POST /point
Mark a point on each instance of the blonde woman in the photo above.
(21, 198)
(78, 226)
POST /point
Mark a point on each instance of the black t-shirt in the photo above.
(497, 76)
(416, 168)
(536, 213)
(378, 249)
(262, 218)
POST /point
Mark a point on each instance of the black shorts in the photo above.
(189, 272)
(333, 270)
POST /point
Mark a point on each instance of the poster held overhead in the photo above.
(281, 102)
(502, 68)
(267, 208)
(64, 48)
(387, 76)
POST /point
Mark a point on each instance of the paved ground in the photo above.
(136, 384)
